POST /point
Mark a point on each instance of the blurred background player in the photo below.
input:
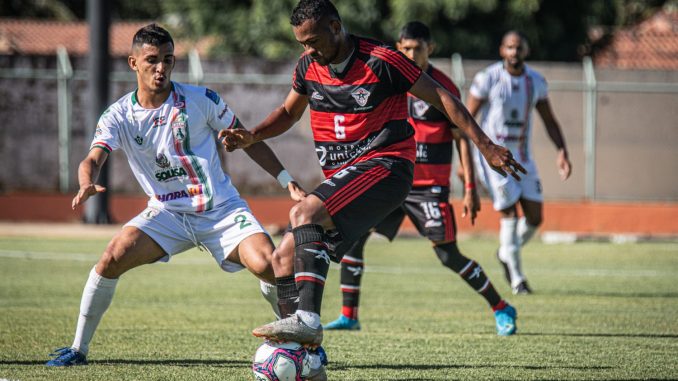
(167, 130)
(506, 93)
(428, 205)
(357, 90)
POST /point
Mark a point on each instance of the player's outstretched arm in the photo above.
(556, 135)
(88, 171)
(498, 157)
(471, 200)
(263, 155)
(277, 122)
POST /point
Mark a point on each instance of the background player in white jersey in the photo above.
(168, 131)
(506, 93)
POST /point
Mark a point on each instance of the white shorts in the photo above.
(219, 230)
(506, 191)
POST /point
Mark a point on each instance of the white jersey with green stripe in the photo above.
(172, 149)
(506, 114)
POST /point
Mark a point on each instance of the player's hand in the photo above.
(564, 165)
(501, 160)
(235, 138)
(85, 192)
(297, 193)
(471, 204)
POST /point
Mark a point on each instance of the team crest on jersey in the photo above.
(361, 95)
(162, 161)
(139, 140)
(179, 128)
(420, 107)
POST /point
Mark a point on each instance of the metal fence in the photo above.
(645, 171)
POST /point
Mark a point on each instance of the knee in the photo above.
(109, 265)
(535, 221)
(300, 215)
(450, 256)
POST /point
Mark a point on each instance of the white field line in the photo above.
(82, 257)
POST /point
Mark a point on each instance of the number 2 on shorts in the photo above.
(242, 220)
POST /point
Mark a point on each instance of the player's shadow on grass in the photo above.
(170, 362)
(638, 335)
(342, 366)
(608, 294)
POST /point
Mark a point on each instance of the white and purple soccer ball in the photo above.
(280, 362)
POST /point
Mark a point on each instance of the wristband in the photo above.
(470, 186)
(284, 178)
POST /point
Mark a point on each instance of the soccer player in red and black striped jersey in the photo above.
(428, 205)
(357, 91)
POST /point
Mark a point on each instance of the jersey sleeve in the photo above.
(541, 87)
(219, 115)
(400, 69)
(298, 83)
(107, 133)
(480, 88)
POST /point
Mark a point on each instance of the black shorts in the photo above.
(429, 210)
(363, 194)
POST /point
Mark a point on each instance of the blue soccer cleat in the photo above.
(67, 357)
(343, 323)
(506, 321)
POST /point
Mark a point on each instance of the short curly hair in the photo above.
(313, 10)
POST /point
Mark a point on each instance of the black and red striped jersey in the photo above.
(361, 113)
(433, 134)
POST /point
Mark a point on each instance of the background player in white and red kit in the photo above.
(506, 93)
(428, 205)
(357, 91)
(168, 132)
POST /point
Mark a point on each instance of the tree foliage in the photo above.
(556, 30)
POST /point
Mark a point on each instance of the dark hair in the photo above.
(415, 30)
(152, 34)
(313, 10)
(521, 35)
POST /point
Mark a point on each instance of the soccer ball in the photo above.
(280, 362)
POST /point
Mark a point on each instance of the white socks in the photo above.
(270, 293)
(525, 231)
(509, 249)
(96, 297)
(309, 318)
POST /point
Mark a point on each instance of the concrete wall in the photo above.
(635, 141)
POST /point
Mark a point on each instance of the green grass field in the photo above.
(600, 312)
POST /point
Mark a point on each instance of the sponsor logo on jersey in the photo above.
(361, 95)
(422, 152)
(329, 182)
(170, 174)
(192, 190)
(162, 161)
(212, 95)
(316, 95)
(159, 121)
(139, 140)
(180, 104)
(420, 107)
(223, 112)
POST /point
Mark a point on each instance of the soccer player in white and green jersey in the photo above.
(505, 93)
(169, 133)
